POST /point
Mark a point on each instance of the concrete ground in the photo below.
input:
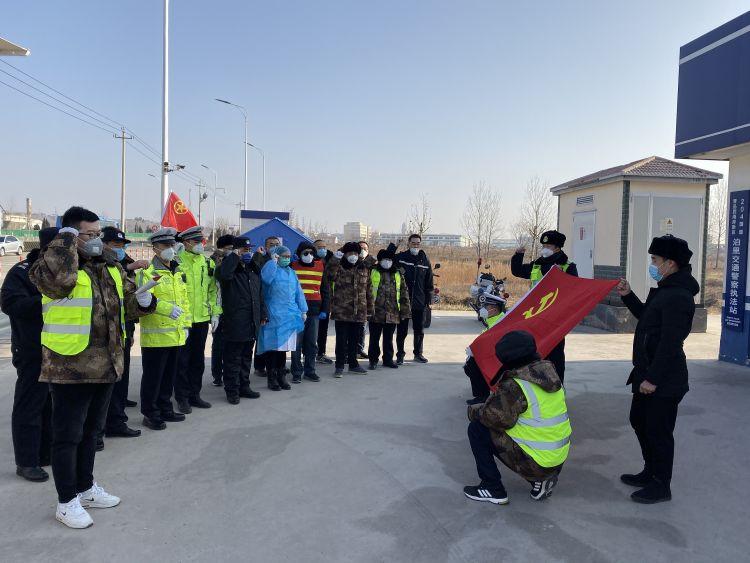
(370, 468)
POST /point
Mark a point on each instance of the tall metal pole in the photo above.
(216, 189)
(244, 203)
(263, 156)
(165, 115)
(122, 180)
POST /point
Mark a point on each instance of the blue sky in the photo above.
(360, 106)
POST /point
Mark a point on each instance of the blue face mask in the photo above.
(653, 271)
(284, 262)
(247, 257)
(120, 253)
(322, 253)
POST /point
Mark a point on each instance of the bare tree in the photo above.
(481, 218)
(537, 212)
(420, 216)
(717, 217)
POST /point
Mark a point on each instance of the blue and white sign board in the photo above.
(713, 100)
(736, 278)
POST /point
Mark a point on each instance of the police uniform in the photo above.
(202, 294)
(163, 333)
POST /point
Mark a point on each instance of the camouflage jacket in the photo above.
(351, 291)
(387, 311)
(55, 274)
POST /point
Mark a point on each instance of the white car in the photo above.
(10, 244)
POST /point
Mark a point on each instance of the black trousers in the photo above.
(376, 330)
(217, 352)
(78, 413)
(116, 417)
(322, 336)
(32, 412)
(259, 362)
(484, 451)
(157, 381)
(361, 339)
(557, 357)
(347, 335)
(192, 363)
(417, 322)
(479, 387)
(653, 419)
(238, 357)
(275, 359)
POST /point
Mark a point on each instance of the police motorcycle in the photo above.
(487, 283)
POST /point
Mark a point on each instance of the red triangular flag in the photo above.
(177, 215)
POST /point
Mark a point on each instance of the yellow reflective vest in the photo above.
(159, 330)
(536, 273)
(375, 277)
(67, 322)
(492, 321)
(201, 285)
(543, 429)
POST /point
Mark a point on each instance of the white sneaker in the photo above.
(96, 497)
(73, 515)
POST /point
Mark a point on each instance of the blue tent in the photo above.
(290, 237)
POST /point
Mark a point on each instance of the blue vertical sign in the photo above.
(734, 286)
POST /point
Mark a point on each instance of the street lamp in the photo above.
(216, 189)
(263, 155)
(244, 114)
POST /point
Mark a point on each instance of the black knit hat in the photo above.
(46, 235)
(516, 348)
(304, 245)
(553, 237)
(351, 247)
(672, 248)
(386, 254)
(224, 240)
(241, 242)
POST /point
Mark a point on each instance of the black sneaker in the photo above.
(154, 423)
(642, 479)
(361, 355)
(391, 364)
(475, 401)
(323, 359)
(312, 377)
(183, 405)
(400, 359)
(34, 474)
(652, 493)
(420, 358)
(172, 416)
(338, 373)
(199, 403)
(129, 403)
(217, 382)
(249, 394)
(296, 379)
(495, 496)
(373, 366)
(233, 399)
(357, 369)
(540, 490)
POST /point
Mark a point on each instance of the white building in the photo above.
(354, 231)
(384, 239)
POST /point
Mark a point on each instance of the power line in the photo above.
(109, 131)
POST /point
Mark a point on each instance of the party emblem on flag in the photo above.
(179, 207)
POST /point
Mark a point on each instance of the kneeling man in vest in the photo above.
(85, 298)
(524, 422)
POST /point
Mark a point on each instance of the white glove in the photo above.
(338, 254)
(214, 323)
(72, 230)
(304, 317)
(144, 299)
(275, 258)
(176, 313)
(469, 353)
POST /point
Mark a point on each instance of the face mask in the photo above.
(546, 252)
(247, 257)
(119, 253)
(284, 261)
(483, 312)
(93, 247)
(227, 251)
(270, 249)
(197, 249)
(414, 251)
(307, 258)
(179, 247)
(363, 253)
(352, 258)
(167, 254)
(322, 252)
(653, 271)
(386, 264)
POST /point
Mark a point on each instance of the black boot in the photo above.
(642, 479)
(418, 343)
(35, 474)
(281, 379)
(273, 385)
(656, 491)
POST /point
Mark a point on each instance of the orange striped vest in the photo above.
(310, 278)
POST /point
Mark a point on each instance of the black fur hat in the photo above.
(672, 248)
(553, 237)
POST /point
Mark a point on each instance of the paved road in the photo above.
(370, 468)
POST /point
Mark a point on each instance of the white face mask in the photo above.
(546, 252)
(197, 249)
(386, 264)
(307, 258)
(414, 251)
(363, 253)
(483, 312)
(167, 254)
(352, 258)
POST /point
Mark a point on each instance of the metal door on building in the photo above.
(584, 226)
(653, 216)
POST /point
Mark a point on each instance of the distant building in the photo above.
(504, 243)
(384, 239)
(356, 231)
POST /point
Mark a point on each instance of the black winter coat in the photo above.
(241, 299)
(521, 270)
(22, 302)
(664, 322)
(418, 273)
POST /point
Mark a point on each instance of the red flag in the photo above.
(549, 311)
(177, 215)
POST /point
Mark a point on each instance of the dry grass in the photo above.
(713, 289)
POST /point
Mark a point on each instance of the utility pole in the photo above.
(124, 138)
(202, 196)
(165, 115)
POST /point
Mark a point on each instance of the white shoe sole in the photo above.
(546, 490)
(492, 500)
(70, 525)
(92, 504)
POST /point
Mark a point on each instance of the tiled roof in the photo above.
(651, 167)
